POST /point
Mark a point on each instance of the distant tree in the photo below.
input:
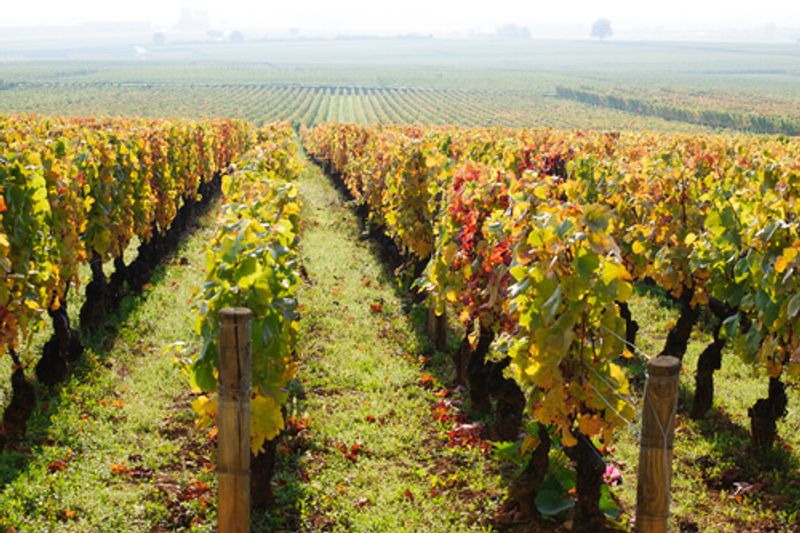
(236, 37)
(512, 31)
(159, 38)
(602, 29)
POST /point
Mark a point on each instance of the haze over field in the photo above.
(768, 20)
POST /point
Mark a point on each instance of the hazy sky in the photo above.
(438, 16)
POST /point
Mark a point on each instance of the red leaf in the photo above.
(426, 381)
(57, 466)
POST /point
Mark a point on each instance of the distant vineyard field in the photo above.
(313, 104)
(737, 112)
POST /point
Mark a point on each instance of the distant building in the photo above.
(193, 20)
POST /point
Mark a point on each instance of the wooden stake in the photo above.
(655, 449)
(235, 371)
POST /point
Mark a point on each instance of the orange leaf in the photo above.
(119, 469)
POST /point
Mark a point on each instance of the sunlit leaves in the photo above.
(75, 187)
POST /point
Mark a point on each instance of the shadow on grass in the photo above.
(732, 460)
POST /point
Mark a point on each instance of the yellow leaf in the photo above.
(474, 336)
(619, 376)
(624, 291)
(567, 439)
(612, 271)
(266, 421)
(782, 263)
(530, 442)
(638, 247)
(689, 239)
(206, 408)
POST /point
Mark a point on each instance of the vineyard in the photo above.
(314, 104)
(455, 339)
(772, 116)
(534, 240)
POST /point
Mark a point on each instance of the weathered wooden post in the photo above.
(437, 328)
(655, 449)
(235, 371)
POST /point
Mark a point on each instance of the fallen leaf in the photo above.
(119, 469)
(363, 502)
(743, 487)
(426, 381)
(57, 466)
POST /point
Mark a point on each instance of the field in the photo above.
(508, 83)
(383, 200)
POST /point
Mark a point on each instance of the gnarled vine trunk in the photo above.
(587, 518)
(262, 467)
(764, 415)
(20, 408)
(631, 326)
(678, 336)
(93, 312)
(526, 485)
(62, 348)
(479, 373)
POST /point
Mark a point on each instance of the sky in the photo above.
(425, 16)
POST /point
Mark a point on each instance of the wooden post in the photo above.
(235, 375)
(437, 328)
(655, 449)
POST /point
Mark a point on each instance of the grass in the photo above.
(362, 360)
(113, 448)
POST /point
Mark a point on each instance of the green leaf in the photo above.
(607, 503)
(551, 497)
(586, 263)
(248, 272)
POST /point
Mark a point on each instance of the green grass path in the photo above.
(360, 383)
